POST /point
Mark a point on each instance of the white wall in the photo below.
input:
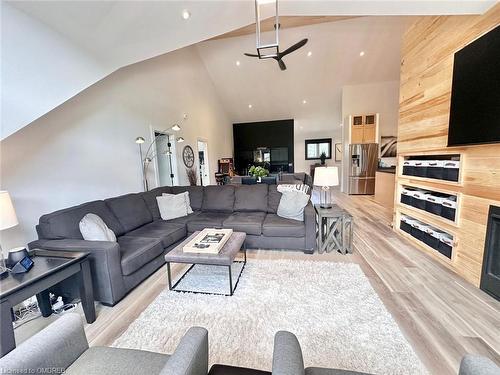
(376, 97)
(85, 149)
(40, 69)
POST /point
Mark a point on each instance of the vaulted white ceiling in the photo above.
(335, 61)
(51, 50)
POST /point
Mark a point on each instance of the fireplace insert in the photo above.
(490, 277)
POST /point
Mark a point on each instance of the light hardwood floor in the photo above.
(441, 315)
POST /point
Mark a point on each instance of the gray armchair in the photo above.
(63, 347)
(288, 360)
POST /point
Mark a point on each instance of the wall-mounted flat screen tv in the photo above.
(475, 93)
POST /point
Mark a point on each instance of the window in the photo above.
(315, 147)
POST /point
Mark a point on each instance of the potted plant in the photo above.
(322, 157)
(258, 172)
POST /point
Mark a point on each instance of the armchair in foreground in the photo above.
(63, 347)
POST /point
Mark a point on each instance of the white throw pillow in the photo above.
(172, 206)
(93, 228)
(292, 204)
(188, 201)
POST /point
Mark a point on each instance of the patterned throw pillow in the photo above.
(293, 187)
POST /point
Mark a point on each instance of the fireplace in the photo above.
(490, 277)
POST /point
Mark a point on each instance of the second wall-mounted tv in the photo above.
(475, 93)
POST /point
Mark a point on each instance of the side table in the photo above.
(334, 229)
(50, 268)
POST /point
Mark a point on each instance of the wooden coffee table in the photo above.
(225, 258)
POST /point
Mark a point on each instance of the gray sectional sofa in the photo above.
(143, 237)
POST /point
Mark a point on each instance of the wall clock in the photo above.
(188, 156)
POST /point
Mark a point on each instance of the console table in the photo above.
(50, 268)
(334, 229)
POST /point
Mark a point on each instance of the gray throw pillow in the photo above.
(292, 204)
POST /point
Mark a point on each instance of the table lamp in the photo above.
(8, 219)
(326, 177)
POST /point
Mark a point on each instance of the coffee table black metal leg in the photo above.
(7, 340)
(169, 276)
(43, 299)
(87, 292)
(230, 281)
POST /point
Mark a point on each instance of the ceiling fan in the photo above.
(279, 55)
(272, 49)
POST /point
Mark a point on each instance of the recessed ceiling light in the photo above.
(238, 63)
(186, 14)
(304, 101)
(176, 127)
(309, 54)
(250, 106)
(362, 53)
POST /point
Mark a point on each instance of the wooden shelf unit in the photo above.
(426, 248)
(445, 221)
(434, 185)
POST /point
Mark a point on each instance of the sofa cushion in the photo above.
(150, 199)
(218, 198)
(273, 199)
(130, 210)
(169, 233)
(103, 360)
(248, 222)
(275, 226)
(137, 251)
(65, 223)
(195, 195)
(206, 220)
(250, 198)
(185, 219)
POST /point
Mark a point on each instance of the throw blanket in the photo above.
(293, 187)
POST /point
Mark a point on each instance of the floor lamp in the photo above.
(326, 177)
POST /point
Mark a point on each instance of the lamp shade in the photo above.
(8, 216)
(326, 176)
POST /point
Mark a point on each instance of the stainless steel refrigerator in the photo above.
(363, 159)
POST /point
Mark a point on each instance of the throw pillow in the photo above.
(188, 201)
(293, 187)
(93, 228)
(292, 204)
(172, 206)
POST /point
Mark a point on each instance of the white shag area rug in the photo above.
(331, 307)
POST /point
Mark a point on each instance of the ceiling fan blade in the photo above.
(295, 47)
(251, 55)
(281, 63)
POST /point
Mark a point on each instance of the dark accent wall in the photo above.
(274, 135)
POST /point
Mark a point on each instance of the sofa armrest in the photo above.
(191, 355)
(310, 223)
(54, 348)
(287, 355)
(105, 265)
(477, 365)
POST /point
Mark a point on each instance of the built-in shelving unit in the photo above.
(428, 200)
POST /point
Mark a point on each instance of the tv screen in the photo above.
(475, 93)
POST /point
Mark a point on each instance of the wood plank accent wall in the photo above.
(426, 76)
